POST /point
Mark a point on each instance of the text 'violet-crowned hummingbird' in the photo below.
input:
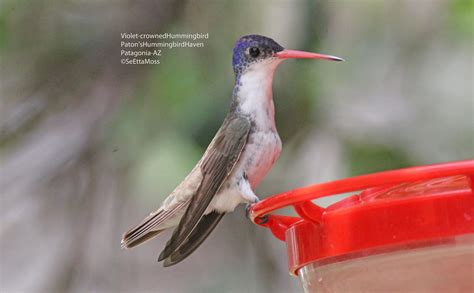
(240, 155)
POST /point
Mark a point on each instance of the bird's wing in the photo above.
(205, 226)
(217, 163)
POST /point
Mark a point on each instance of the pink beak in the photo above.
(287, 54)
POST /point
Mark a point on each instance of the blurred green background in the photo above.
(89, 146)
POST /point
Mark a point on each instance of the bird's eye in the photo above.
(254, 52)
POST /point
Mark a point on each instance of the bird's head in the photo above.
(253, 52)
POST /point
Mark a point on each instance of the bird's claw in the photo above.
(247, 211)
(260, 220)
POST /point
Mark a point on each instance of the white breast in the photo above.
(264, 144)
(260, 153)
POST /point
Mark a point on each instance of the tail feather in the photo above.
(126, 243)
(149, 227)
(142, 231)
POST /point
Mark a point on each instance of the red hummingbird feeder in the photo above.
(403, 230)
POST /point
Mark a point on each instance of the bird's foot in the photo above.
(254, 200)
(247, 211)
(261, 220)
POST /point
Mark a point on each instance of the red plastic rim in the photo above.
(393, 207)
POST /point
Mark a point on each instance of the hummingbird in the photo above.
(239, 156)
